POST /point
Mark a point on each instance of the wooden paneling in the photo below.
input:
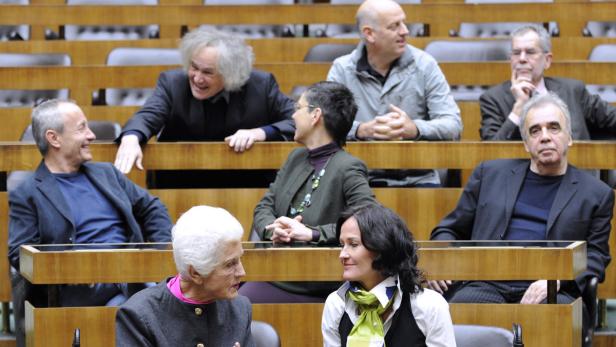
(299, 324)
(440, 17)
(543, 325)
(437, 259)
(83, 80)
(56, 326)
(270, 50)
(19, 119)
(271, 155)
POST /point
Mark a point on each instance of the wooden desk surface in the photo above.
(305, 264)
(271, 155)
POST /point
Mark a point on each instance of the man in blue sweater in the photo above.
(71, 200)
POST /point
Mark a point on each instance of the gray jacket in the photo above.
(416, 85)
(154, 317)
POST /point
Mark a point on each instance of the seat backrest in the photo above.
(328, 52)
(604, 53)
(599, 29)
(496, 50)
(137, 56)
(110, 32)
(105, 131)
(479, 335)
(20, 98)
(264, 335)
(486, 30)
(253, 31)
(469, 51)
(7, 30)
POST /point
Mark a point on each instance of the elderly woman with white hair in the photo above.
(200, 306)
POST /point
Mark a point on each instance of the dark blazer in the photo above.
(344, 184)
(38, 213)
(582, 210)
(590, 114)
(178, 116)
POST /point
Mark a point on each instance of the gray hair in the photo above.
(199, 237)
(544, 37)
(539, 100)
(47, 116)
(235, 57)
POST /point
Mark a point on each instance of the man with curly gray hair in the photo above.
(216, 96)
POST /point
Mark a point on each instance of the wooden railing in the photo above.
(83, 80)
(440, 17)
(54, 325)
(422, 209)
(277, 50)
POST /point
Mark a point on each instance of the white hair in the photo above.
(199, 237)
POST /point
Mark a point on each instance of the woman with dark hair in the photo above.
(315, 184)
(383, 302)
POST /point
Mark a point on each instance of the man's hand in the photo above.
(537, 292)
(394, 125)
(365, 131)
(243, 139)
(439, 286)
(402, 126)
(129, 154)
(285, 230)
(522, 89)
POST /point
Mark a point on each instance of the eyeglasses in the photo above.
(531, 53)
(298, 107)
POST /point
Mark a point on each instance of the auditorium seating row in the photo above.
(290, 75)
(439, 19)
(55, 325)
(83, 81)
(422, 208)
(285, 50)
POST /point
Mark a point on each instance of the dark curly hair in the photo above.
(385, 233)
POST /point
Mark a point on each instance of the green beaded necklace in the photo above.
(306, 202)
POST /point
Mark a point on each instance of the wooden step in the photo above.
(604, 339)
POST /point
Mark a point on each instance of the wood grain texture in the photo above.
(268, 50)
(440, 17)
(437, 259)
(83, 80)
(543, 325)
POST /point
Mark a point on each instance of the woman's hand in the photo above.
(285, 230)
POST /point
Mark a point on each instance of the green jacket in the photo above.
(344, 184)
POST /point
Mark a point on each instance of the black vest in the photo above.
(403, 331)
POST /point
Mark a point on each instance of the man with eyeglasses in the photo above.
(544, 198)
(530, 56)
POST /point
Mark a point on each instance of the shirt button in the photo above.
(200, 345)
(198, 312)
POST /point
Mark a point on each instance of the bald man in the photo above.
(400, 90)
